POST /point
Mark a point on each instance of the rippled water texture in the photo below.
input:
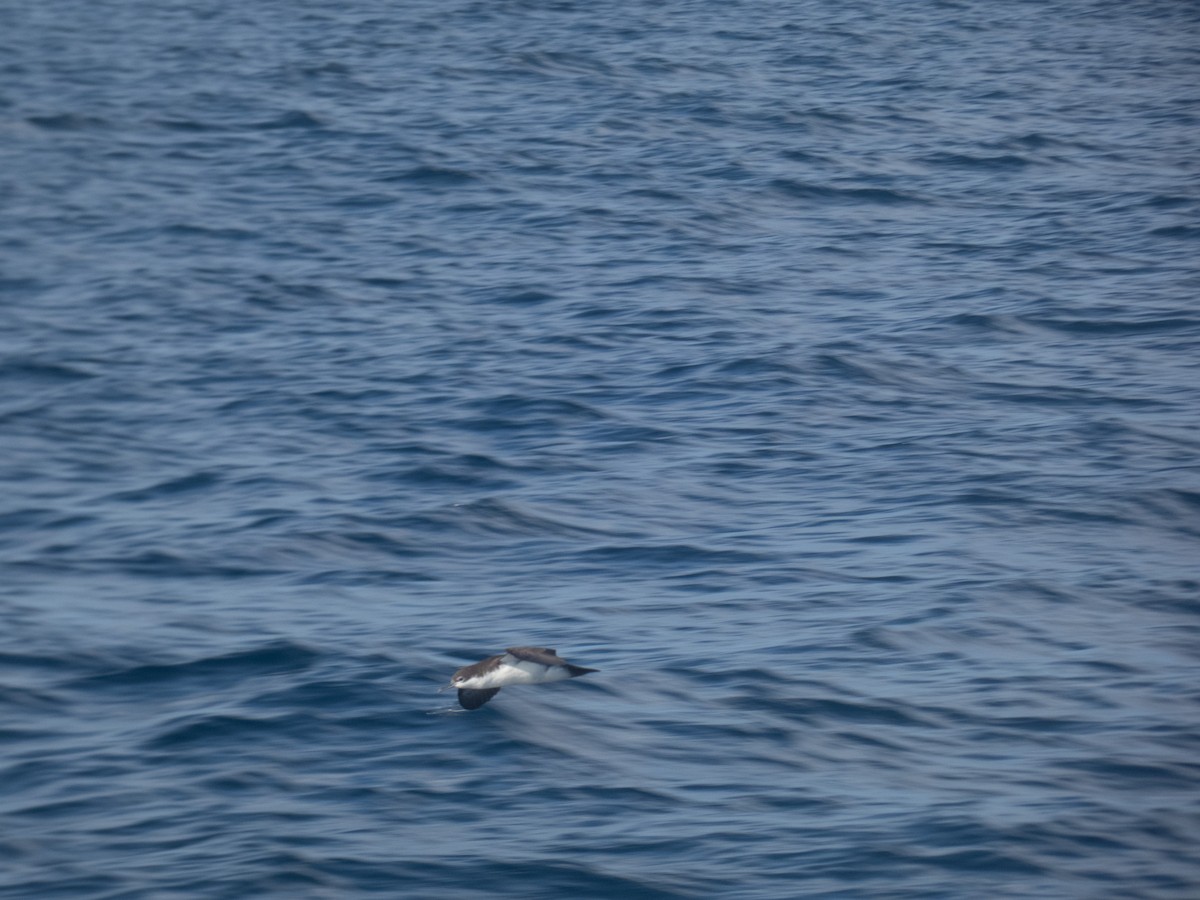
(824, 373)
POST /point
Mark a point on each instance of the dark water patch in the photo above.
(295, 118)
(1137, 776)
(1180, 508)
(277, 658)
(498, 518)
(632, 438)
(434, 177)
(463, 470)
(1170, 201)
(204, 733)
(777, 371)
(340, 696)
(1058, 395)
(516, 410)
(364, 576)
(11, 735)
(65, 883)
(1113, 328)
(1036, 724)
(249, 780)
(888, 538)
(36, 699)
(168, 564)
(1105, 666)
(986, 861)
(1177, 232)
(68, 122)
(825, 194)
(970, 161)
(33, 372)
(48, 661)
(197, 481)
(814, 712)
(76, 806)
(189, 231)
(1041, 141)
(667, 555)
(525, 298)
(185, 124)
(22, 520)
(558, 877)
(632, 798)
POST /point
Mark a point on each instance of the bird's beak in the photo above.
(445, 687)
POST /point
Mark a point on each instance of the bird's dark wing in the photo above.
(543, 656)
(473, 699)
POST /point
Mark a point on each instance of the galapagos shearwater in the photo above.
(480, 682)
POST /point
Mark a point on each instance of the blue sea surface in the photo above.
(826, 374)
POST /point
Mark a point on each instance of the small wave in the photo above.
(189, 230)
(208, 732)
(969, 161)
(434, 176)
(464, 470)
(546, 62)
(821, 193)
(505, 518)
(670, 555)
(67, 122)
(295, 118)
(1178, 232)
(197, 481)
(32, 371)
(1114, 328)
(524, 407)
(270, 659)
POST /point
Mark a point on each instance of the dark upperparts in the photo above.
(479, 668)
(542, 655)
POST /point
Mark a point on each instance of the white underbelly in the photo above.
(520, 672)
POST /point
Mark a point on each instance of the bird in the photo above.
(480, 682)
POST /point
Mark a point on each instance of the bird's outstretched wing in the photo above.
(473, 699)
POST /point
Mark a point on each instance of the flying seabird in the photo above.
(480, 682)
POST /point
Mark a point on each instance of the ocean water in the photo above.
(824, 373)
